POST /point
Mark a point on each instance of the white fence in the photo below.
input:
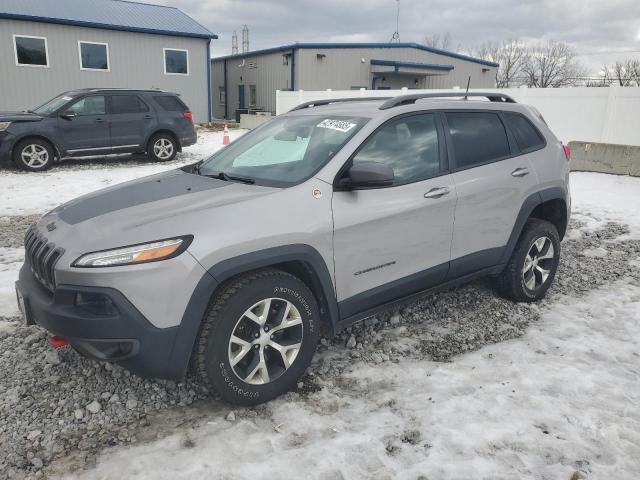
(598, 115)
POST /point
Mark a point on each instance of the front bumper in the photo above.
(7, 140)
(122, 335)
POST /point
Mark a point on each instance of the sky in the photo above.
(596, 29)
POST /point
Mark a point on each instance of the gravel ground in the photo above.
(12, 229)
(55, 404)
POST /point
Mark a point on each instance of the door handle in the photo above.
(99, 120)
(148, 117)
(520, 172)
(437, 192)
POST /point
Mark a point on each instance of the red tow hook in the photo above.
(57, 342)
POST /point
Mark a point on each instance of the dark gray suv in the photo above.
(91, 122)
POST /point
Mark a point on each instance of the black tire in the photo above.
(226, 316)
(33, 155)
(162, 147)
(512, 283)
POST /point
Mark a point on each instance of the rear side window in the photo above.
(409, 145)
(477, 137)
(171, 104)
(527, 136)
(127, 104)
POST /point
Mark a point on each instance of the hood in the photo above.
(158, 196)
(19, 117)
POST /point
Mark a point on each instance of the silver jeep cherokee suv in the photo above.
(319, 218)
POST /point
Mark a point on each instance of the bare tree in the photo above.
(510, 54)
(604, 79)
(627, 73)
(437, 40)
(552, 64)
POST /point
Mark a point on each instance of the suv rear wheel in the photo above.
(533, 264)
(162, 147)
(33, 154)
(258, 337)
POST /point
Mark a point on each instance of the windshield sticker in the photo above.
(339, 125)
(66, 99)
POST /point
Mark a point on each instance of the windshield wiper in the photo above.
(229, 178)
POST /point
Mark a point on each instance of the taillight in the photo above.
(188, 116)
(567, 151)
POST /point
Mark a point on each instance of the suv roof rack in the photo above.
(317, 103)
(407, 99)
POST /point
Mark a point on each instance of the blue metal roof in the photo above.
(397, 65)
(417, 46)
(109, 14)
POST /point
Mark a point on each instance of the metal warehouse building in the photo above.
(249, 80)
(51, 46)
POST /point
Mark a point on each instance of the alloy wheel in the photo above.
(265, 341)
(34, 155)
(538, 263)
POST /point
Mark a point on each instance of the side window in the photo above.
(127, 104)
(477, 137)
(93, 105)
(409, 145)
(527, 136)
(171, 104)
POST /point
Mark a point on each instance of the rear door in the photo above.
(492, 179)
(83, 126)
(393, 241)
(131, 121)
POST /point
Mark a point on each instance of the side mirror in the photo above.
(369, 174)
(68, 114)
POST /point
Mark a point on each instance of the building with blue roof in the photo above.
(51, 46)
(249, 80)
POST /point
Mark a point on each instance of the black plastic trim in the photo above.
(474, 262)
(390, 292)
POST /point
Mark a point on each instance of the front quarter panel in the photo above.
(300, 215)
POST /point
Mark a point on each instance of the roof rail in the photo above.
(317, 103)
(408, 99)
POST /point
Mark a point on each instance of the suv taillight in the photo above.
(188, 116)
(567, 151)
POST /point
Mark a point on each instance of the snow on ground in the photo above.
(526, 408)
(24, 193)
(10, 262)
(599, 198)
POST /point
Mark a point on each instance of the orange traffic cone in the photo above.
(225, 136)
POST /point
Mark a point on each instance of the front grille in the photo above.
(42, 257)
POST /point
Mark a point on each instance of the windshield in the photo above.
(52, 105)
(285, 150)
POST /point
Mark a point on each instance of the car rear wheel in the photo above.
(533, 264)
(258, 337)
(162, 147)
(33, 155)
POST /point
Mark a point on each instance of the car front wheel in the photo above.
(33, 155)
(258, 337)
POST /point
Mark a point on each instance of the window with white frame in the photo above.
(93, 56)
(31, 51)
(176, 61)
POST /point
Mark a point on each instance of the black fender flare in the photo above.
(226, 269)
(528, 206)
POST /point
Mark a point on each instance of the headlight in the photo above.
(4, 126)
(134, 254)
